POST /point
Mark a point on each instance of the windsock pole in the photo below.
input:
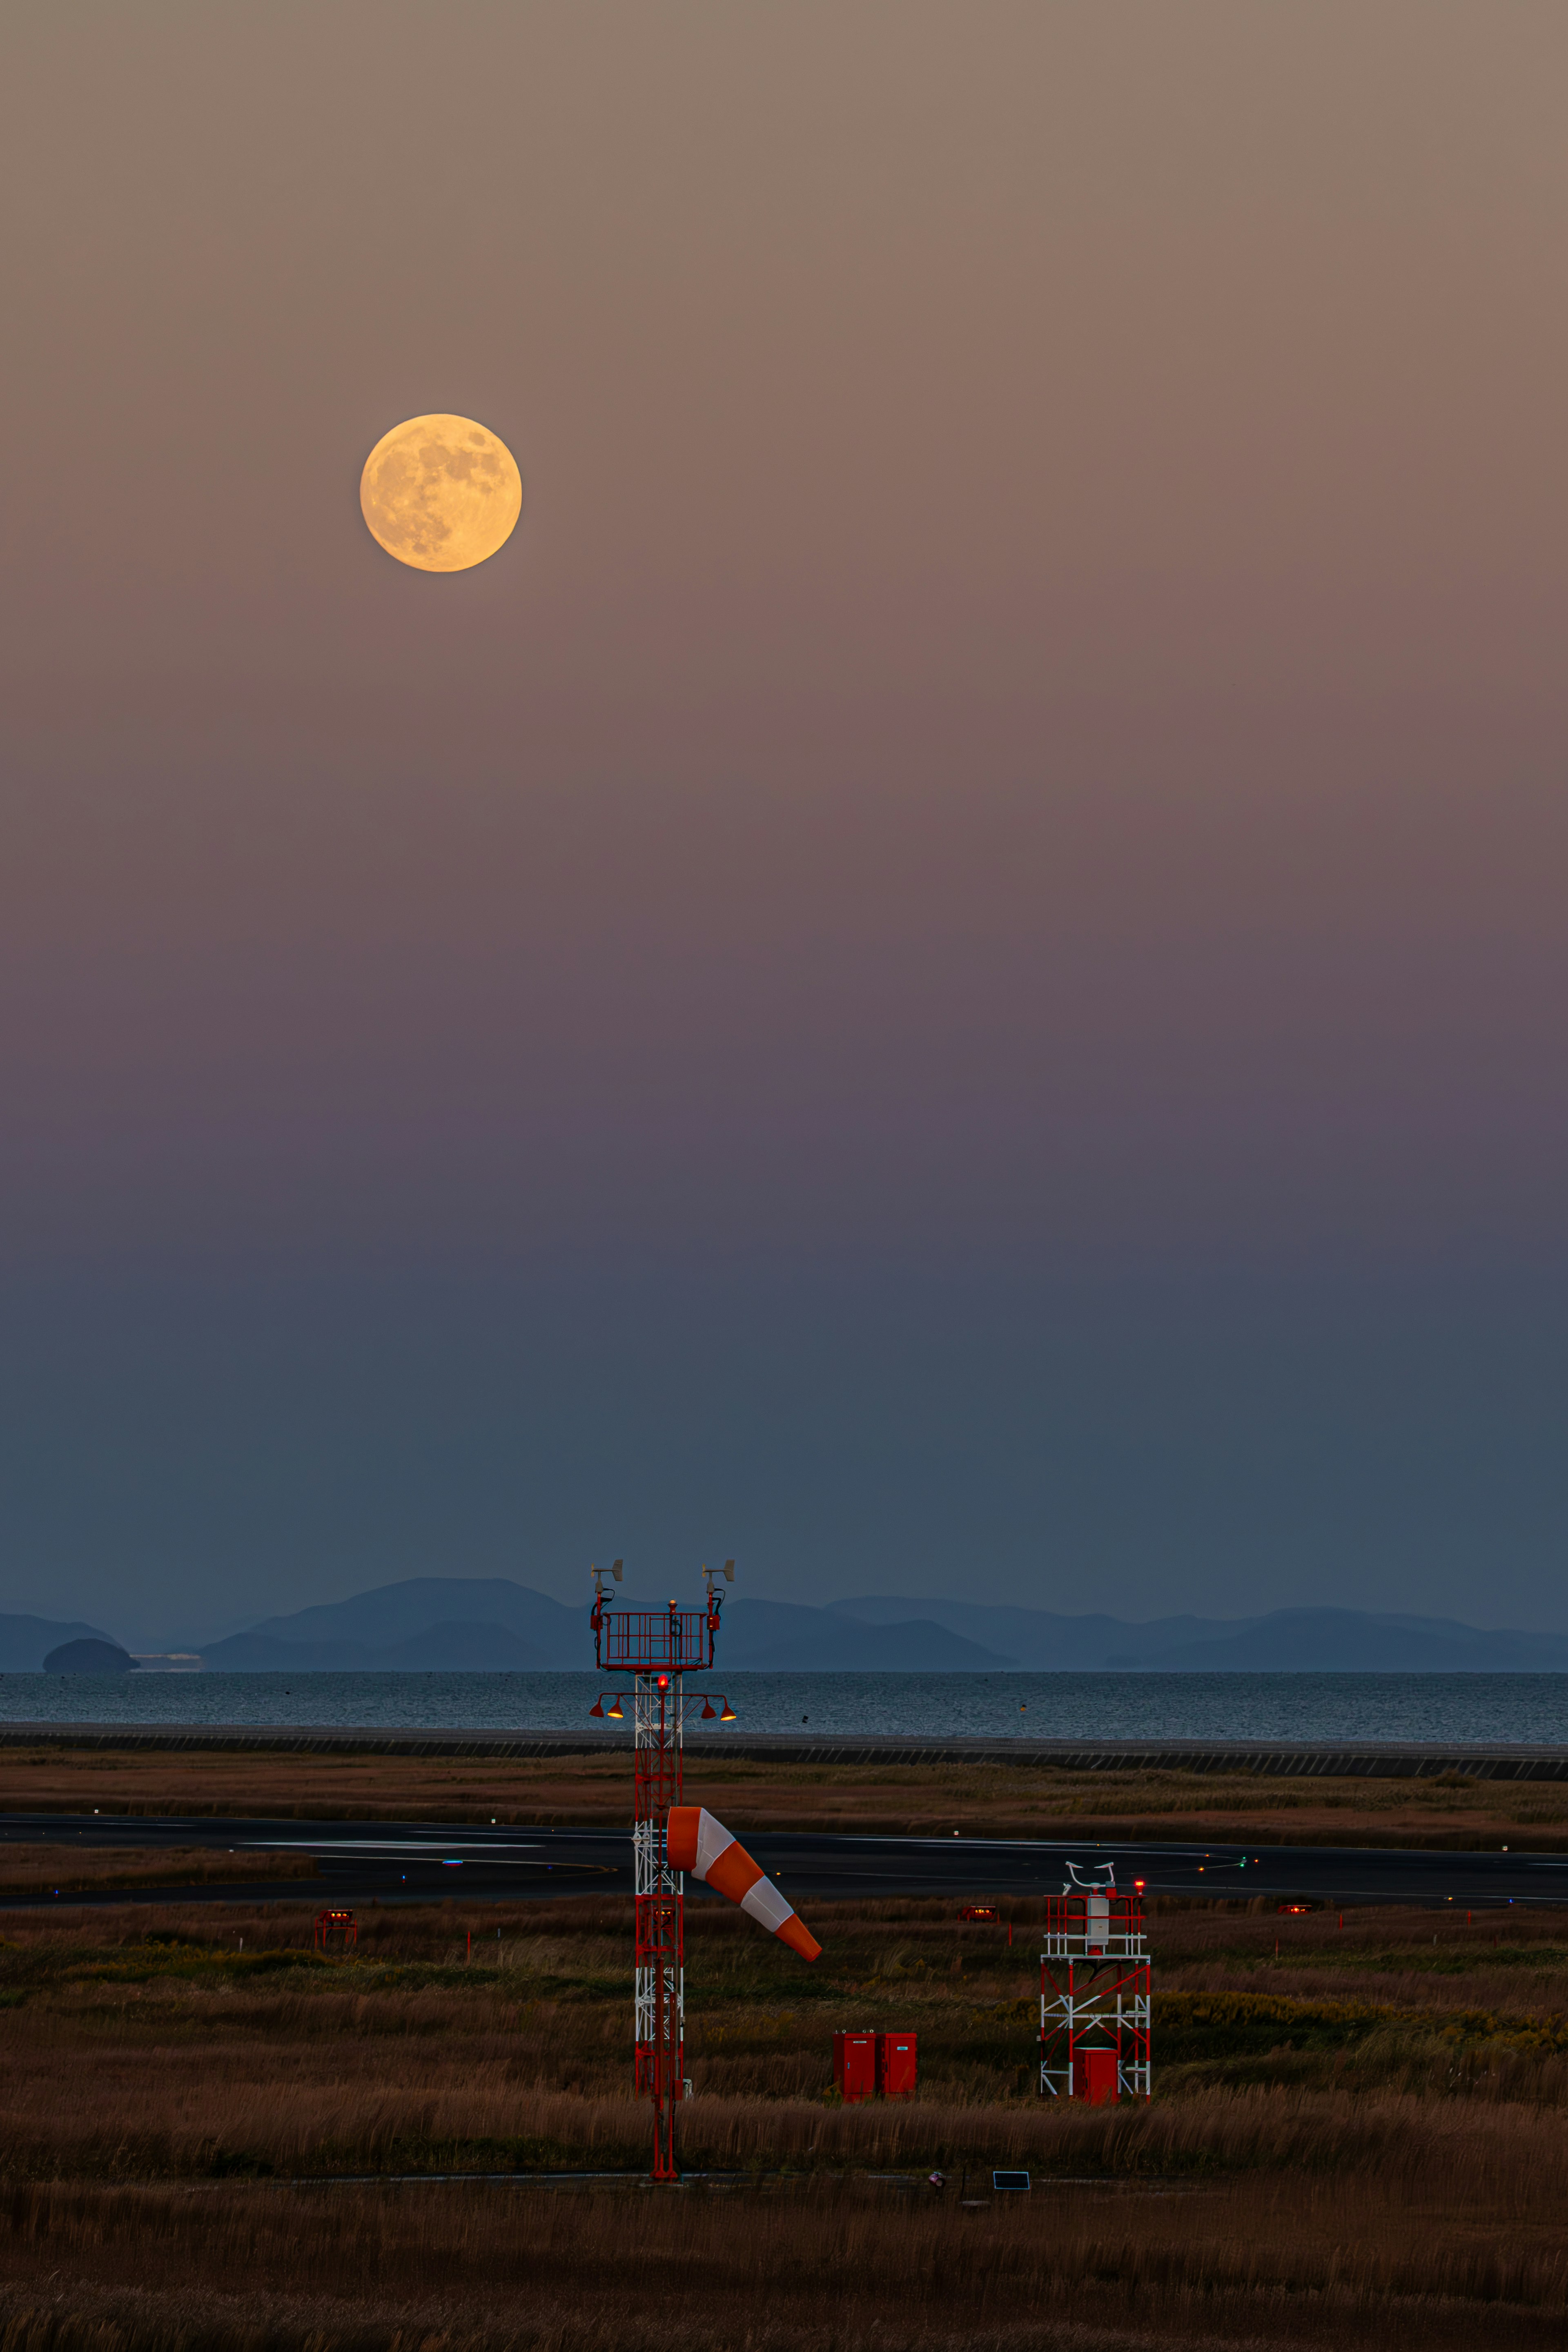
(659, 1708)
(655, 1646)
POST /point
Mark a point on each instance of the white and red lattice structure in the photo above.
(1094, 1992)
(657, 1648)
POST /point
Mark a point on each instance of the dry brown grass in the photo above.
(1449, 2244)
(1360, 2142)
(918, 1800)
(124, 2057)
(71, 1869)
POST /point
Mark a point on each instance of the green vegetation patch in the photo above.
(175, 1957)
(1191, 2027)
(190, 1959)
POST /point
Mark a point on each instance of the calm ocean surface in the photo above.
(1482, 1708)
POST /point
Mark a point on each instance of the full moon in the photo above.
(441, 493)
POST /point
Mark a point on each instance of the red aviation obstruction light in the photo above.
(655, 1648)
(1094, 1990)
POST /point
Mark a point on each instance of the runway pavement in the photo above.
(422, 1862)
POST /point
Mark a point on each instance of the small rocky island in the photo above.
(89, 1657)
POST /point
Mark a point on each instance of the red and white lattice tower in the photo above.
(1094, 1991)
(656, 1647)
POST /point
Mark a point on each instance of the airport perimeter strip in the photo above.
(1304, 1759)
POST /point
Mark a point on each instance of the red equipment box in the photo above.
(895, 2065)
(854, 2064)
(1097, 2077)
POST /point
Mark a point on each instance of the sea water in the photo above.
(1482, 1710)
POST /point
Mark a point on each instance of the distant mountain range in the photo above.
(478, 1625)
(1286, 1640)
(451, 1624)
(489, 1624)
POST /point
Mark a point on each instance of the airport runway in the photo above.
(421, 1861)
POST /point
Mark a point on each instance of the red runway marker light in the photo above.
(333, 1922)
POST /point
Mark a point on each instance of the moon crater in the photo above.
(440, 493)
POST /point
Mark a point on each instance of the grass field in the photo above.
(1362, 2139)
(1002, 1801)
(209, 2137)
(43, 1869)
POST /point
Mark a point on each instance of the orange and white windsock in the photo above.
(695, 1843)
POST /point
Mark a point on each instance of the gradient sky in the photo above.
(952, 974)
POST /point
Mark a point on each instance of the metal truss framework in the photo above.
(655, 1647)
(659, 1708)
(1094, 1996)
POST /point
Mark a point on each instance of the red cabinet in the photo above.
(854, 2064)
(880, 2062)
(1097, 2077)
(895, 2065)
